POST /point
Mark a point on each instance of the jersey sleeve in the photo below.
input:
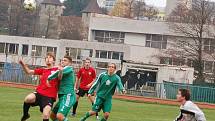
(38, 71)
(66, 70)
(119, 84)
(95, 84)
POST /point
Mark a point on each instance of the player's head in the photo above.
(183, 95)
(87, 63)
(50, 58)
(66, 61)
(111, 68)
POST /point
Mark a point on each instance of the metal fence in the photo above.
(165, 90)
(17, 75)
(168, 90)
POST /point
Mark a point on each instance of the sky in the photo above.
(158, 3)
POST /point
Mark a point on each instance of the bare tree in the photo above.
(51, 13)
(133, 9)
(194, 23)
(139, 9)
(71, 27)
(119, 9)
(150, 12)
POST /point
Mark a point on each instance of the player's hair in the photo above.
(112, 64)
(185, 93)
(69, 58)
(88, 59)
(51, 54)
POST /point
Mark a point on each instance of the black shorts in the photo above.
(42, 101)
(82, 92)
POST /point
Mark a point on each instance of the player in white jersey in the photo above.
(188, 110)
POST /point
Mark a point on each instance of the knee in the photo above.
(106, 115)
(46, 115)
(30, 98)
(60, 117)
(46, 112)
(53, 116)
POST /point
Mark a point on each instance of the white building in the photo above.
(111, 39)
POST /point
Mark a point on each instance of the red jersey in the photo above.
(87, 76)
(43, 88)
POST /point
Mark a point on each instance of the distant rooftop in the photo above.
(92, 7)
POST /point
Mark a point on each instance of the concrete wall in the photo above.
(61, 51)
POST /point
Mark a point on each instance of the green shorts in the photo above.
(104, 104)
(65, 103)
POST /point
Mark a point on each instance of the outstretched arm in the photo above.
(120, 86)
(95, 84)
(59, 73)
(26, 68)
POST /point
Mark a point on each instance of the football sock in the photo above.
(75, 107)
(26, 107)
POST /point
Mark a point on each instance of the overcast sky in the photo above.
(159, 3)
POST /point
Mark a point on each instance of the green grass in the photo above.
(11, 100)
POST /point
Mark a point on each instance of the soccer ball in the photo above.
(29, 5)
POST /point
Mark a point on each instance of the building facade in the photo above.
(118, 40)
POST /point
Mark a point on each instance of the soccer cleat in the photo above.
(97, 117)
(25, 117)
(73, 114)
(82, 119)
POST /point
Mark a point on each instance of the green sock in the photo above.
(65, 119)
(103, 119)
(86, 116)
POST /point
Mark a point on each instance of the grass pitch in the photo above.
(11, 100)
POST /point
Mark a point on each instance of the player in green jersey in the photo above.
(106, 85)
(66, 93)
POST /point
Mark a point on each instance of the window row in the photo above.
(209, 66)
(11, 48)
(78, 53)
(40, 51)
(156, 41)
(109, 54)
(109, 36)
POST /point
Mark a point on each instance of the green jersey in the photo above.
(106, 85)
(67, 81)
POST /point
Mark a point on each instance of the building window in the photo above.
(102, 64)
(12, 48)
(156, 41)
(109, 36)
(116, 55)
(24, 49)
(209, 45)
(166, 60)
(78, 53)
(2, 47)
(36, 50)
(103, 54)
(172, 61)
(109, 54)
(52, 49)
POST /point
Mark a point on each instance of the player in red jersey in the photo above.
(85, 77)
(45, 94)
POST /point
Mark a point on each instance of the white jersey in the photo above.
(190, 112)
